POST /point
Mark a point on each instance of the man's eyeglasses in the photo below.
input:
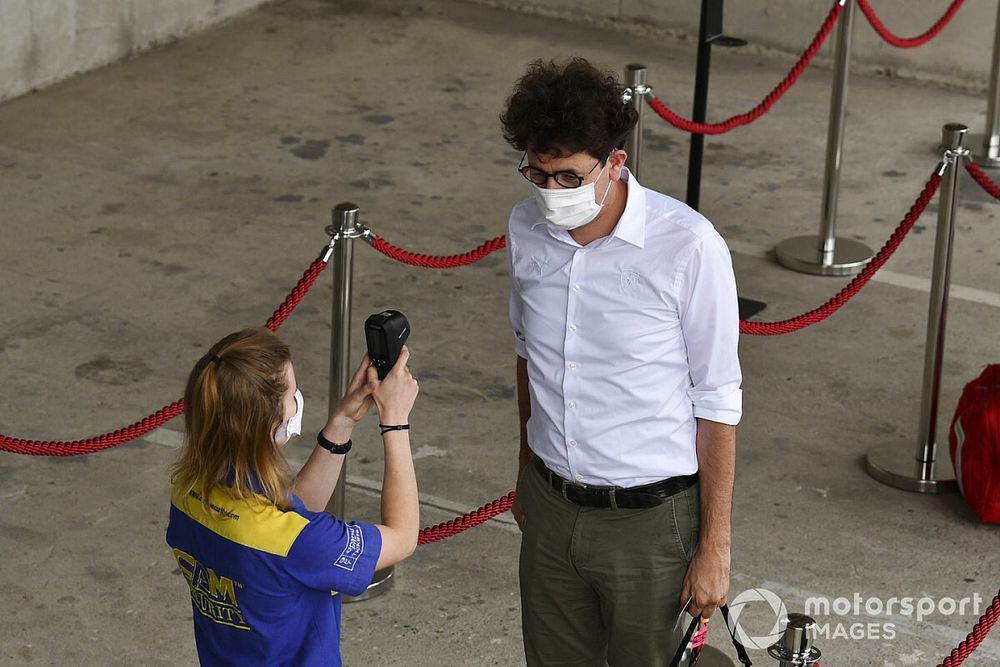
(565, 179)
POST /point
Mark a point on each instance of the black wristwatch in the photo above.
(332, 447)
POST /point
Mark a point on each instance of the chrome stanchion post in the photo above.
(923, 472)
(345, 221)
(795, 648)
(827, 255)
(344, 230)
(988, 151)
(635, 94)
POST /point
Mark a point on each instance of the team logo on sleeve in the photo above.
(353, 549)
(214, 597)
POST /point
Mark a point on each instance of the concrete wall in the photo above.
(959, 56)
(43, 41)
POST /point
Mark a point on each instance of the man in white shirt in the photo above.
(624, 308)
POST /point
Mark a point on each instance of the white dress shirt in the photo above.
(627, 339)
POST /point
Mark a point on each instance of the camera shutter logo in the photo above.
(756, 595)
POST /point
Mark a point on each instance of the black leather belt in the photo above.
(615, 497)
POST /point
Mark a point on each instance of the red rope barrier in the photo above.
(908, 42)
(438, 261)
(161, 416)
(976, 637)
(750, 328)
(302, 287)
(985, 182)
(750, 116)
(95, 444)
(466, 521)
(844, 295)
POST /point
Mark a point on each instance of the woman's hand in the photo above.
(395, 395)
(353, 406)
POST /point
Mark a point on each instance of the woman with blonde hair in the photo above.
(263, 562)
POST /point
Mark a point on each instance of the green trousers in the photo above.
(602, 586)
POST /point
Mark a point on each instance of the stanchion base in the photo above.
(800, 253)
(381, 583)
(977, 142)
(897, 466)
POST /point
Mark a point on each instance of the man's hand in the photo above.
(707, 581)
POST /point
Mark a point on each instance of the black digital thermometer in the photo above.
(386, 333)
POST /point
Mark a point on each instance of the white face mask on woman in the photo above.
(569, 208)
(294, 424)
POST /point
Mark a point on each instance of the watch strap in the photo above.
(332, 447)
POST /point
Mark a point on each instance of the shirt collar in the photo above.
(631, 226)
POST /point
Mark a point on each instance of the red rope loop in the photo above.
(301, 288)
(161, 416)
(95, 444)
(750, 116)
(466, 521)
(908, 42)
(438, 261)
(852, 288)
(985, 182)
(976, 637)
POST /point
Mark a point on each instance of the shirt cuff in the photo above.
(725, 407)
(520, 347)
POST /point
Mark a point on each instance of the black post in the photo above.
(709, 33)
(709, 29)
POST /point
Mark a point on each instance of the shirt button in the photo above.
(572, 327)
(579, 478)
(576, 288)
(572, 443)
(572, 366)
(572, 405)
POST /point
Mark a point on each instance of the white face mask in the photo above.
(569, 208)
(294, 425)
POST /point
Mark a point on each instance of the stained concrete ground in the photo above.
(155, 205)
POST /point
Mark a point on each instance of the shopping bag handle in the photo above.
(741, 652)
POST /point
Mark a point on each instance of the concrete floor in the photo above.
(155, 205)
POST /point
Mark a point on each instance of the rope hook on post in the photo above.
(327, 250)
(923, 472)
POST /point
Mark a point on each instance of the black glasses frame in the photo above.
(570, 180)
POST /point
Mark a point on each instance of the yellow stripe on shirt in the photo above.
(256, 523)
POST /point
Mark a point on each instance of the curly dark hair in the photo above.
(561, 109)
